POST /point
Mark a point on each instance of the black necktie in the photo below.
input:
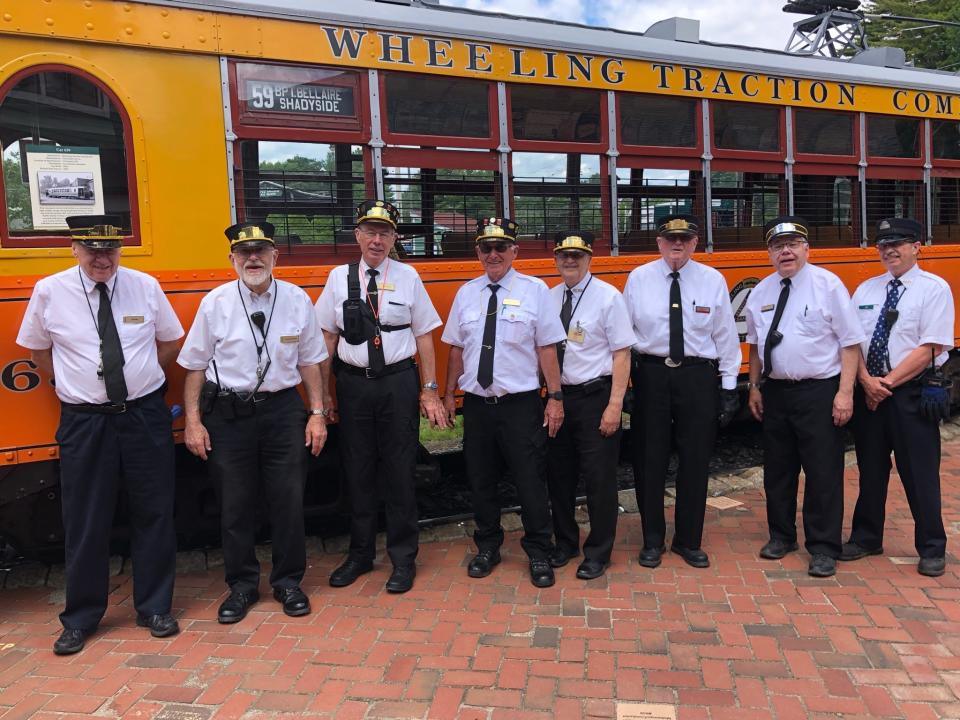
(111, 354)
(566, 313)
(676, 319)
(485, 370)
(375, 344)
(774, 337)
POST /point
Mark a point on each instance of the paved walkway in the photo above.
(745, 639)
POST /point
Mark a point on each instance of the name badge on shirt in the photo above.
(133, 319)
(867, 307)
(767, 308)
(287, 339)
(577, 334)
(511, 301)
(701, 309)
(387, 286)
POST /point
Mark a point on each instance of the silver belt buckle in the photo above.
(491, 400)
(670, 363)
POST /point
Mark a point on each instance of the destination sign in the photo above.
(302, 98)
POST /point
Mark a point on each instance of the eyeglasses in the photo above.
(388, 234)
(678, 238)
(247, 252)
(501, 247)
(572, 254)
(779, 247)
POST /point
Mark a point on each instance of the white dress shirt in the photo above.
(599, 327)
(818, 320)
(526, 320)
(402, 300)
(223, 333)
(58, 316)
(925, 313)
(709, 328)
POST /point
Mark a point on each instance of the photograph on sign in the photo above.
(64, 181)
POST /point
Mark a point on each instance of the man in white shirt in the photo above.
(686, 346)
(251, 344)
(501, 327)
(594, 371)
(804, 343)
(374, 333)
(907, 315)
(105, 333)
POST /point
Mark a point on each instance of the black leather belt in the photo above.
(113, 408)
(387, 370)
(502, 399)
(804, 381)
(261, 396)
(589, 387)
(657, 360)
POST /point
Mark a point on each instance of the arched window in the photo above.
(65, 147)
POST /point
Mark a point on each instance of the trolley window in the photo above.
(893, 137)
(820, 132)
(555, 114)
(742, 126)
(658, 121)
(64, 153)
(449, 107)
(946, 139)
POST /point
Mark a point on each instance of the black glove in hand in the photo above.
(728, 406)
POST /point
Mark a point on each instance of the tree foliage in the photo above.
(18, 194)
(936, 47)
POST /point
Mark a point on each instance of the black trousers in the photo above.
(261, 457)
(507, 435)
(99, 454)
(379, 436)
(667, 400)
(896, 426)
(798, 431)
(580, 449)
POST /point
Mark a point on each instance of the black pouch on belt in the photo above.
(359, 325)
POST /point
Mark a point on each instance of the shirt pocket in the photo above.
(907, 325)
(518, 326)
(868, 318)
(701, 320)
(135, 327)
(395, 312)
(811, 323)
(287, 351)
(471, 326)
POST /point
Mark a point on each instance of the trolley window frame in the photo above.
(661, 151)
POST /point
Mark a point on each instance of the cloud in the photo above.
(723, 21)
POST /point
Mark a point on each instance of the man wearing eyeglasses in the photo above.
(376, 316)
(106, 333)
(501, 327)
(251, 344)
(685, 345)
(804, 342)
(594, 371)
(907, 314)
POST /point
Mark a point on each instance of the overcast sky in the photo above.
(759, 23)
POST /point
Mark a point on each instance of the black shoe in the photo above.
(694, 557)
(348, 573)
(822, 566)
(541, 574)
(483, 563)
(295, 601)
(852, 551)
(932, 567)
(401, 579)
(590, 569)
(234, 608)
(776, 549)
(161, 626)
(651, 556)
(70, 641)
(559, 557)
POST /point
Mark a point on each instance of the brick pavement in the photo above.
(745, 639)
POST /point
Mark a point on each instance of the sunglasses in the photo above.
(501, 247)
(572, 254)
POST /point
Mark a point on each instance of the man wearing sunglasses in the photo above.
(595, 368)
(251, 344)
(907, 314)
(376, 317)
(686, 345)
(502, 326)
(804, 342)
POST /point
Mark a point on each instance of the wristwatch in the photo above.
(325, 412)
(430, 386)
(558, 395)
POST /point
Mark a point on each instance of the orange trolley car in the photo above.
(184, 116)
